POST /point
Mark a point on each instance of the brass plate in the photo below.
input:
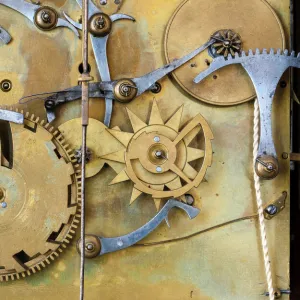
(222, 258)
(195, 21)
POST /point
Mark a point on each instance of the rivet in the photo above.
(158, 169)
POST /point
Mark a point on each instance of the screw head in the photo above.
(157, 139)
(3, 204)
(5, 85)
(89, 247)
(158, 169)
(272, 210)
(49, 104)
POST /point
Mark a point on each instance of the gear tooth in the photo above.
(293, 54)
(257, 51)
(264, 51)
(43, 264)
(272, 51)
(250, 53)
(42, 122)
(12, 277)
(286, 52)
(72, 232)
(47, 261)
(28, 273)
(229, 57)
(278, 52)
(27, 114)
(47, 125)
(243, 53)
(56, 133)
(298, 55)
(32, 117)
(69, 236)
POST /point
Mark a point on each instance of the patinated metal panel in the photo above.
(218, 254)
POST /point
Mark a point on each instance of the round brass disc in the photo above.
(99, 142)
(195, 21)
(39, 201)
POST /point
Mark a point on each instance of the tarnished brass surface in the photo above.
(40, 193)
(254, 21)
(217, 255)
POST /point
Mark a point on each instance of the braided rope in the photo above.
(259, 202)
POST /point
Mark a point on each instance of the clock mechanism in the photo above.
(154, 112)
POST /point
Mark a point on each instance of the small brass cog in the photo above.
(159, 158)
(227, 42)
(99, 142)
(41, 193)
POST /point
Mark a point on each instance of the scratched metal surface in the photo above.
(224, 262)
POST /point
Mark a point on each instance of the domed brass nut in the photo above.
(125, 90)
(266, 167)
(100, 25)
(45, 18)
(92, 246)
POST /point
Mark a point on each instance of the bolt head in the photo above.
(272, 210)
(89, 247)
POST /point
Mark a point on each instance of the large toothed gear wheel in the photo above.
(39, 195)
(159, 158)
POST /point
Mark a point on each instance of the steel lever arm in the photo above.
(265, 70)
(5, 37)
(99, 44)
(30, 11)
(118, 243)
(145, 82)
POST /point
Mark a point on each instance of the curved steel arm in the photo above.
(5, 37)
(28, 10)
(118, 243)
(265, 70)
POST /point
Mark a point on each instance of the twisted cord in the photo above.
(259, 202)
